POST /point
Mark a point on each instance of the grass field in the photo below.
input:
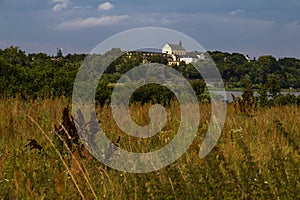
(257, 157)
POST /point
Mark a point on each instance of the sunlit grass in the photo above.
(256, 157)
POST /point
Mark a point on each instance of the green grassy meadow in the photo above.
(257, 156)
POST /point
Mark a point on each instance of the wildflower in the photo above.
(238, 130)
(167, 139)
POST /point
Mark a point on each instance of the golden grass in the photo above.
(256, 156)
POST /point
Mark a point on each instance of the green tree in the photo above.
(273, 85)
(158, 59)
(268, 63)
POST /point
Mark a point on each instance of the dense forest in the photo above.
(40, 75)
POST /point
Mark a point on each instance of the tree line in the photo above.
(40, 75)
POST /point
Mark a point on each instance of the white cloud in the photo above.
(81, 23)
(105, 6)
(77, 7)
(59, 7)
(237, 12)
(60, 4)
(81, 7)
(59, 1)
(155, 21)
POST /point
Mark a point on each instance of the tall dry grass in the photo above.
(256, 157)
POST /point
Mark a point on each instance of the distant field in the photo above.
(257, 157)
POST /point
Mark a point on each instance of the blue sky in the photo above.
(254, 27)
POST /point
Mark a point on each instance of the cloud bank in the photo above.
(90, 22)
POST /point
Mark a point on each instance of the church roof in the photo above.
(176, 47)
(193, 54)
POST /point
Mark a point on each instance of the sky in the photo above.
(253, 27)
